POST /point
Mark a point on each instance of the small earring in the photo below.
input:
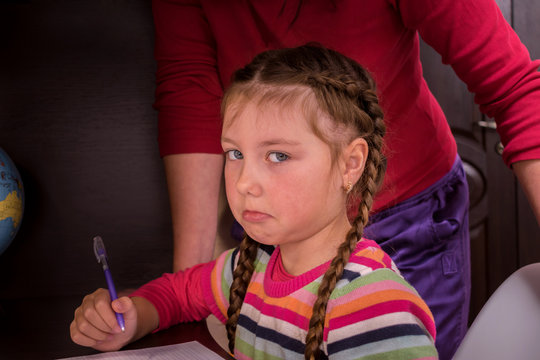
(348, 188)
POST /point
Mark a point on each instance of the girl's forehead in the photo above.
(280, 100)
(263, 114)
(302, 111)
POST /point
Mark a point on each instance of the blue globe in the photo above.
(11, 201)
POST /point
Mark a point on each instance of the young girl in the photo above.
(302, 135)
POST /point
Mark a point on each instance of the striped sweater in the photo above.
(373, 313)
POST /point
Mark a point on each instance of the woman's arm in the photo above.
(496, 67)
(193, 182)
(528, 174)
(188, 96)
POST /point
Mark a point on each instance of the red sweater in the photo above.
(200, 43)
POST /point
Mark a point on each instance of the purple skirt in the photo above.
(427, 236)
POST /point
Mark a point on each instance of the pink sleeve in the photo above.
(485, 52)
(177, 297)
(188, 89)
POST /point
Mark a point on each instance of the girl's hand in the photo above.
(95, 323)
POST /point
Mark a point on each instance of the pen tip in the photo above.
(123, 329)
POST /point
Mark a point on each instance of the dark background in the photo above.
(76, 117)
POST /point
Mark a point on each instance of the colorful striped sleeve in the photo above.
(216, 282)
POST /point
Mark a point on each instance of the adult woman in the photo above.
(200, 43)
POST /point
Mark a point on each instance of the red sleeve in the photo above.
(474, 38)
(177, 297)
(188, 89)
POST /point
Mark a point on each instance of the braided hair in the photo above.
(332, 84)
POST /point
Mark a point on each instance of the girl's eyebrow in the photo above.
(266, 143)
(227, 140)
(279, 141)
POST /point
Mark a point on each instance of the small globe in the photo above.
(11, 201)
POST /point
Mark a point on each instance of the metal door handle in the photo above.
(487, 124)
(492, 125)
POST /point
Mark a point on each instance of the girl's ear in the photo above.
(354, 158)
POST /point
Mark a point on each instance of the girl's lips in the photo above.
(254, 216)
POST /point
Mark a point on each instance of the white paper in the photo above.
(192, 350)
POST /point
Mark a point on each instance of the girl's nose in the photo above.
(247, 182)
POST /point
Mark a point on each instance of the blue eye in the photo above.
(234, 155)
(277, 157)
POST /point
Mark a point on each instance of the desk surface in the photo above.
(38, 328)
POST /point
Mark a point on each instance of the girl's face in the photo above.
(280, 181)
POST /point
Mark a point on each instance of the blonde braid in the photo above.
(370, 125)
(314, 337)
(241, 277)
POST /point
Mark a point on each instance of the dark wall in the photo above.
(76, 117)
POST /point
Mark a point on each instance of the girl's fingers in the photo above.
(87, 327)
(107, 317)
(96, 309)
(95, 324)
(124, 305)
(95, 318)
(79, 337)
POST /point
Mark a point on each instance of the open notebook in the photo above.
(192, 350)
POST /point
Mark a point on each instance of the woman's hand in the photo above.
(95, 324)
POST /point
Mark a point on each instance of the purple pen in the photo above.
(101, 255)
